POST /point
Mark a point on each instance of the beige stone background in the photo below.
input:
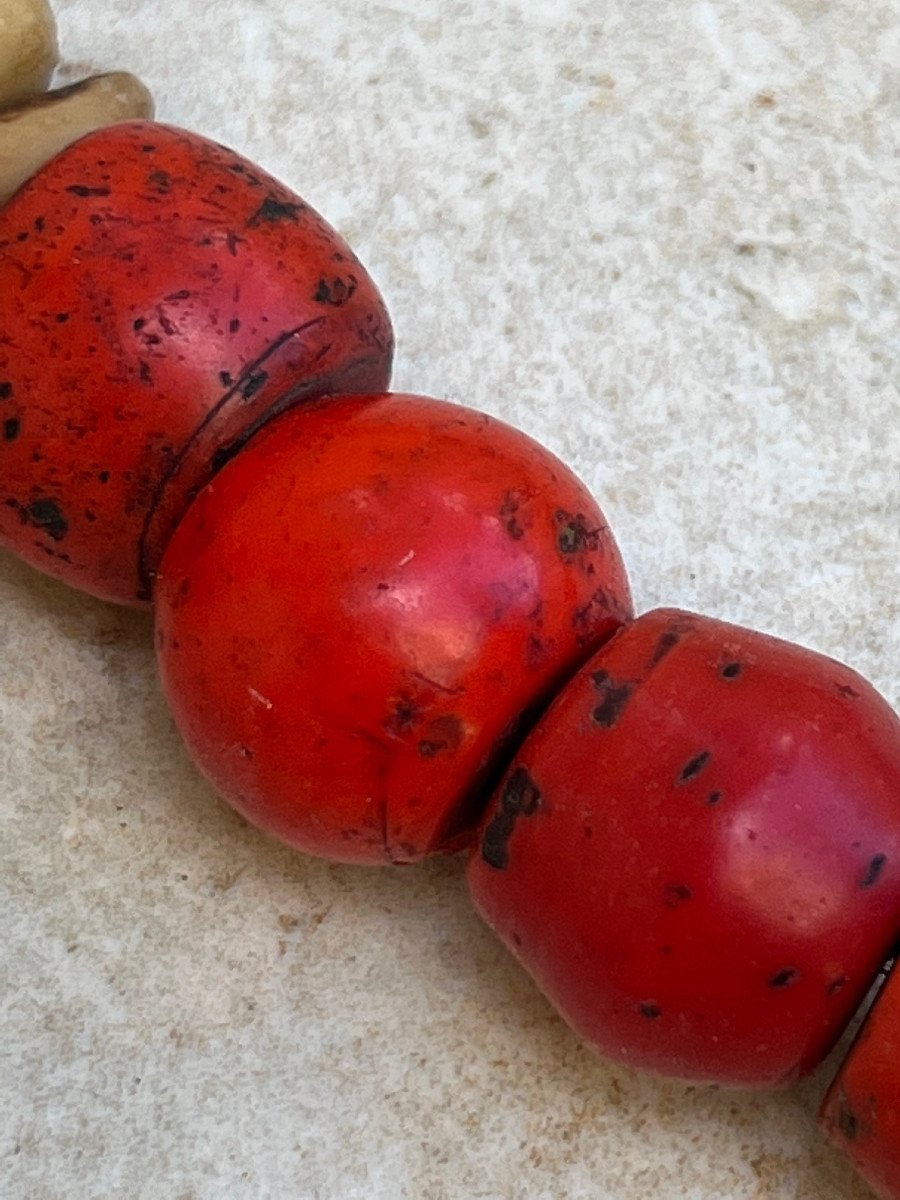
(663, 237)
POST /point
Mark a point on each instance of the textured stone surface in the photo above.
(661, 237)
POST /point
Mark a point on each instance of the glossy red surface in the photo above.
(356, 614)
(696, 853)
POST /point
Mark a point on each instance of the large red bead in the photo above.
(161, 298)
(696, 853)
(359, 612)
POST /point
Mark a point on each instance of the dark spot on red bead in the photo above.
(873, 871)
(677, 893)
(535, 652)
(694, 766)
(6, 389)
(509, 515)
(47, 516)
(847, 691)
(335, 291)
(667, 642)
(714, 798)
(405, 715)
(11, 428)
(495, 841)
(784, 979)
(847, 1120)
(521, 795)
(253, 384)
(234, 325)
(61, 318)
(103, 476)
(82, 190)
(731, 670)
(650, 1010)
(598, 608)
(575, 535)
(520, 798)
(837, 985)
(614, 699)
(271, 211)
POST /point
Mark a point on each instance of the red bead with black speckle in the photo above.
(696, 852)
(161, 297)
(357, 615)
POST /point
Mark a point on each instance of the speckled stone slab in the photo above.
(663, 238)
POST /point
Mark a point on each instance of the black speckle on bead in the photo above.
(784, 979)
(335, 291)
(103, 476)
(83, 190)
(509, 511)
(575, 535)
(714, 798)
(271, 211)
(226, 379)
(667, 642)
(614, 699)
(253, 384)
(405, 714)
(61, 318)
(234, 324)
(677, 893)
(731, 670)
(650, 1009)
(873, 871)
(521, 795)
(495, 841)
(837, 985)
(848, 692)
(48, 516)
(11, 428)
(694, 766)
(6, 389)
(600, 606)
(847, 1120)
(520, 798)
